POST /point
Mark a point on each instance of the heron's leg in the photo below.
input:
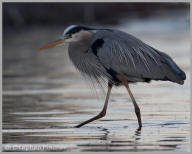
(103, 112)
(137, 110)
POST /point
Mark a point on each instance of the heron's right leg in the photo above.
(103, 112)
(137, 110)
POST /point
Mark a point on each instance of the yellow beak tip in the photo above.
(42, 48)
(52, 45)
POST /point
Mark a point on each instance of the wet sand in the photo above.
(44, 97)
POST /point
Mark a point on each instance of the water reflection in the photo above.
(138, 133)
(105, 136)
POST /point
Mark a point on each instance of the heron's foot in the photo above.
(78, 126)
(139, 128)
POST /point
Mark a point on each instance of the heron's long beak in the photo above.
(61, 41)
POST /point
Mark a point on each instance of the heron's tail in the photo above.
(176, 74)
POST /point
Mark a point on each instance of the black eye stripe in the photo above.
(77, 29)
(74, 30)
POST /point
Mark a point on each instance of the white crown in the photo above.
(69, 28)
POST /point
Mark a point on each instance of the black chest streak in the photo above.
(95, 46)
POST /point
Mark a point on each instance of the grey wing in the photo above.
(129, 56)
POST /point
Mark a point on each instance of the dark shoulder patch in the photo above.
(96, 45)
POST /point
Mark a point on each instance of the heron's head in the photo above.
(72, 33)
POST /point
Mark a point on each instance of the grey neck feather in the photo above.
(78, 49)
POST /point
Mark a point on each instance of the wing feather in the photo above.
(129, 56)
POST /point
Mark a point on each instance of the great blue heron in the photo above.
(118, 57)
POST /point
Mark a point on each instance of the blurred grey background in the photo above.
(19, 15)
(42, 90)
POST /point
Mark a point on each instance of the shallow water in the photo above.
(44, 98)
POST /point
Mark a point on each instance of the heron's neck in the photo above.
(78, 50)
(80, 46)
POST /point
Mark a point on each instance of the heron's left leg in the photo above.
(137, 110)
(103, 112)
